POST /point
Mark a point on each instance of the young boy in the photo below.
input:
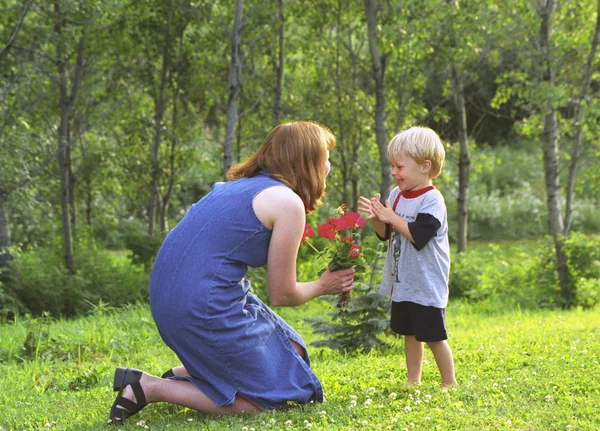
(417, 264)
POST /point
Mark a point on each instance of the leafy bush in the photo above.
(583, 263)
(46, 286)
(10, 305)
(143, 246)
(527, 277)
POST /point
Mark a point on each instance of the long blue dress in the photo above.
(227, 339)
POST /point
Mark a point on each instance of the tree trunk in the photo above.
(159, 111)
(66, 103)
(64, 189)
(233, 87)
(72, 182)
(464, 160)
(378, 61)
(5, 243)
(88, 188)
(279, 67)
(550, 148)
(166, 198)
(579, 116)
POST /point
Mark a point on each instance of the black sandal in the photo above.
(168, 373)
(127, 377)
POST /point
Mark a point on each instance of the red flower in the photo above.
(354, 250)
(348, 239)
(308, 232)
(328, 229)
(351, 219)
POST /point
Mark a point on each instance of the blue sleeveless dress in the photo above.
(229, 341)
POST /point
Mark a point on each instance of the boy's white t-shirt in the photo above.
(418, 272)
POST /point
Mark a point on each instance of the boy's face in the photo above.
(410, 175)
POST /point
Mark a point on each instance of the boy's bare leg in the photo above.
(443, 358)
(414, 359)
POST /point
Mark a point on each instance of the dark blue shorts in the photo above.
(425, 323)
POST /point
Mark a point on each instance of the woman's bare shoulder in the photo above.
(277, 202)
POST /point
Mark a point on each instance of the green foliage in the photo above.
(583, 263)
(524, 274)
(507, 196)
(359, 325)
(45, 285)
(142, 245)
(356, 328)
(587, 292)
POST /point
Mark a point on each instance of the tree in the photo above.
(544, 85)
(379, 61)
(233, 88)
(458, 89)
(579, 115)
(279, 65)
(10, 82)
(68, 92)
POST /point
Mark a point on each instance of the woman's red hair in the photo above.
(295, 154)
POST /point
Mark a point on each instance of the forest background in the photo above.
(116, 116)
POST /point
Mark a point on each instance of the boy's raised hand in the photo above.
(365, 206)
(383, 213)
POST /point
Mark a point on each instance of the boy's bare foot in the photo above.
(410, 385)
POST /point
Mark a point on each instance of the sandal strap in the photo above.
(128, 405)
(139, 393)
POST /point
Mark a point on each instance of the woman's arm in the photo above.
(281, 210)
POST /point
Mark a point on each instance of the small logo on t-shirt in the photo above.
(407, 217)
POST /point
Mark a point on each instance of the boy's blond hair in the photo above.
(419, 143)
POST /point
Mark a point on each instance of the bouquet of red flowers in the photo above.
(343, 250)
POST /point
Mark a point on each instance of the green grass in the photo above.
(517, 371)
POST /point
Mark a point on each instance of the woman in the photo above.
(237, 354)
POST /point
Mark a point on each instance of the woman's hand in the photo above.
(337, 281)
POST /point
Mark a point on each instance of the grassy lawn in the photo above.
(517, 371)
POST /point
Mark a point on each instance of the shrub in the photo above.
(588, 292)
(45, 285)
(583, 263)
(143, 246)
(527, 277)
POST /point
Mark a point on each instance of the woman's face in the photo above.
(327, 165)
